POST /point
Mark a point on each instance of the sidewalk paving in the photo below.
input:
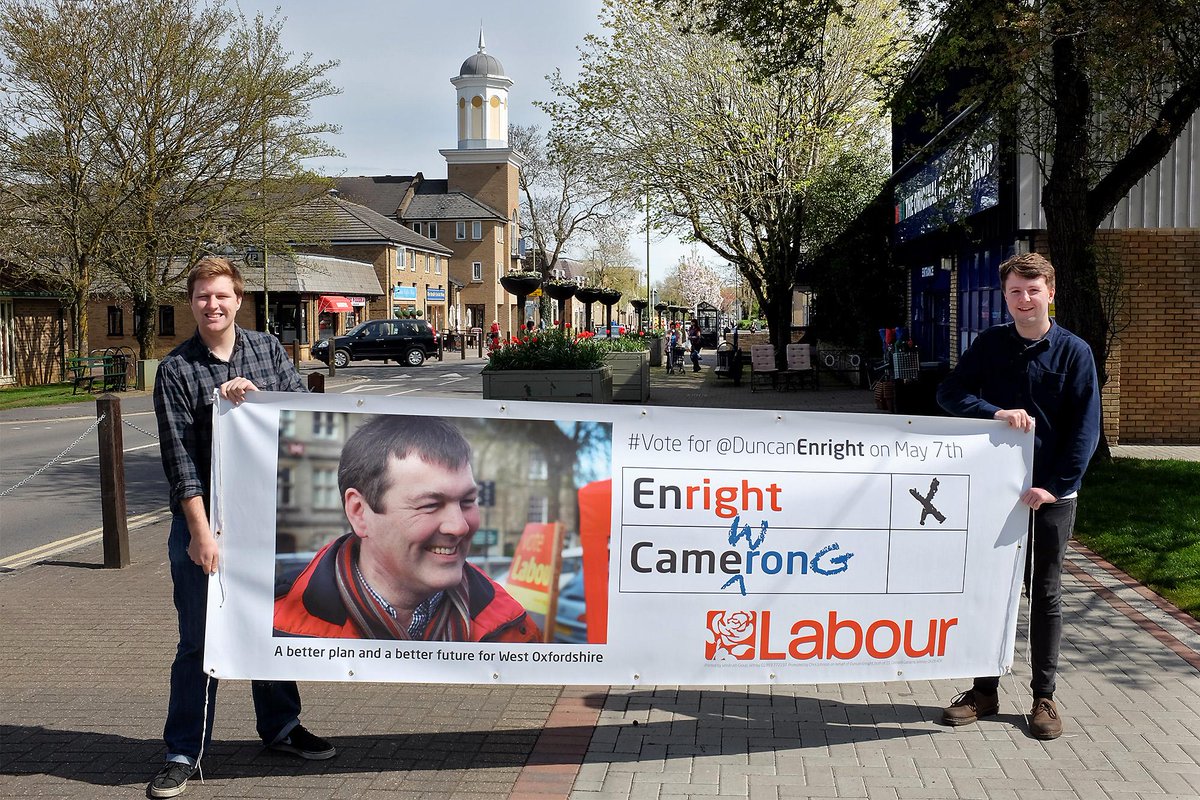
(85, 652)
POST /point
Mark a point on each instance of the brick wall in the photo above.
(99, 338)
(1156, 396)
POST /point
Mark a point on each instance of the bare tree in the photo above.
(563, 196)
(57, 197)
(183, 131)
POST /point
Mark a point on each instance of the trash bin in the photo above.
(147, 370)
(918, 396)
(729, 362)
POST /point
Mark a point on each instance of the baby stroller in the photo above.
(675, 364)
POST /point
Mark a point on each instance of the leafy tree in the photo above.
(779, 35)
(182, 131)
(738, 164)
(1097, 91)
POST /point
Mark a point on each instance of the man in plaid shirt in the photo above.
(219, 356)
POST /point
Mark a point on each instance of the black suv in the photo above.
(402, 340)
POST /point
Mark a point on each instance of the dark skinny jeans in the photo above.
(1052, 526)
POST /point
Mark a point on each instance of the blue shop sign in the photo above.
(959, 181)
(404, 293)
(435, 295)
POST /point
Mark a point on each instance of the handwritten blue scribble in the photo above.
(753, 542)
(839, 560)
(744, 533)
(739, 580)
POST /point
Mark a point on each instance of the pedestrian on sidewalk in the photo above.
(1034, 375)
(694, 341)
(219, 356)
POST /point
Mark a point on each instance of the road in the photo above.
(64, 501)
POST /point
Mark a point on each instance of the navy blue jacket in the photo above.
(1053, 379)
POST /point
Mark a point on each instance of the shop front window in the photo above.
(980, 303)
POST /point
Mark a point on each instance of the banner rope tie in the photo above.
(203, 728)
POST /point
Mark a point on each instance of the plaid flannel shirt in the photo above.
(183, 399)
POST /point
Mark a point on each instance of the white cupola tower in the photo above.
(482, 101)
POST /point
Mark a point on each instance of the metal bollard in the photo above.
(112, 483)
(316, 383)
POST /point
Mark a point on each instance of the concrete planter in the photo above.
(558, 385)
(630, 376)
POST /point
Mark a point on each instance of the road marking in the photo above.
(44, 551)
(89, 418)
(366, 387)
(406, 391)
(126, 450)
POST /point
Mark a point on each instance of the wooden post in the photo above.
(296, 353)
(112, 483)
(316, 383)
(480, 342)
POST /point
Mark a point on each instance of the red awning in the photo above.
(334, 303)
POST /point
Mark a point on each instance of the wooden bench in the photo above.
(109, 370)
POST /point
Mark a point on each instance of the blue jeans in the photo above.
(276, 703)
(1052, 526)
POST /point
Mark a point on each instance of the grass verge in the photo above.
(50, 394)
(1144, 517)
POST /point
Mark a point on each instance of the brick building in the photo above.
(474, 211)
(967, 198)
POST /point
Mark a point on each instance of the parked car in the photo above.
(617, 329)
(495, 566)
(409, 341)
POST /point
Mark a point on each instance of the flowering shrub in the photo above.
(549, 349)
(629, 343)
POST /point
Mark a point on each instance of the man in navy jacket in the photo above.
(1032, 374)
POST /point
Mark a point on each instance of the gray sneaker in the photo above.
(970, 706)
(171, 780)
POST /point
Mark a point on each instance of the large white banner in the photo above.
(691, 546)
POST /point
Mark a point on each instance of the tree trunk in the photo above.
(144, 310)
(1065, 200)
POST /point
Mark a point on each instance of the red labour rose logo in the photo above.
(730, 636)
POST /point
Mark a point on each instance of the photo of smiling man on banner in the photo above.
(415, 563)
(401, 572)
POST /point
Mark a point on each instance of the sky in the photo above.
(397, 57)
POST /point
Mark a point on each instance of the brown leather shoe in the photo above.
(970, 706)
(1044, 722)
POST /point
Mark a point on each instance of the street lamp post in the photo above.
(648, 302)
